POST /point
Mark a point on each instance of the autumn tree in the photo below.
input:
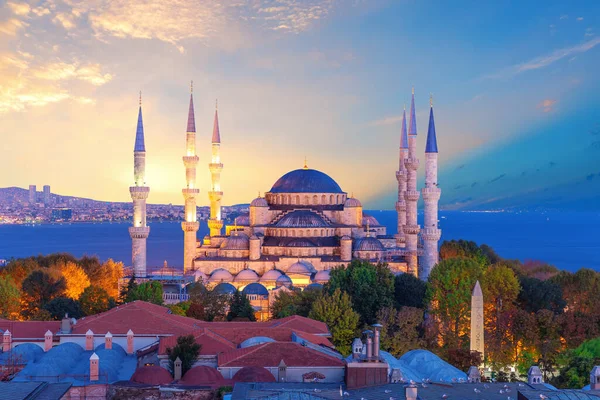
(76, 279)
(214, 304)
(10, 298)
(401, 331)
(580, 290)
(95, 300)
(105, 275)
(197, 311)
(60, 306)
(538, 295)
(240, 308)
(38, 289)
(464, 249)
(548, 341)
(336, 311)
(180, 308)
(187, 350)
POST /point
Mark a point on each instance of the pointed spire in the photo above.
(403, 135)
(305, 163)
(139, 134)
(431, 146)
(216, 137)
(191, 122)
(477, 290)
(413, 120)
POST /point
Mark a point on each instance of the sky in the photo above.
(515, 88)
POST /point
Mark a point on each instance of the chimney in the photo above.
(65, 324)
(376, 341)
(48, 340)
(6, 341)
(357, 348)
(282, 369)
(89, 340)
(369, 344)
(411, 392)
(108, 341)
(534, 375)
(473, 375)
(130, 342)
(595, 378)
(94, 368)
(177, 368)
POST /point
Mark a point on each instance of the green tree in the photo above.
(401, 330)
(151, 292)
(575, 372)
(214, 304)
(95, 300)
(336, 311)
(10, 298)
(464, 249)
(451, 283)
(294, 303)
(187, 350)
(370, 286)
(59, 306)
(538, 295)
(180, 308)
(240, 308)
(409, 291)
(128, 291)
(38, 289)
(580, 290)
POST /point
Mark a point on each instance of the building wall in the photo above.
(294, 374)
(138, 341)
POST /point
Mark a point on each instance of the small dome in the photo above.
(283, 280)
(352, 202)
(270, 275)
(151, 375)
(321, 276)
(298, 268)
(346, 237)
(259, 202)
(220, 275)
(236, 242)
(201, 375)
(370, 220)
(253, 341)
(225, 288)
(314, 286)
(301, 219)
(200, 276)
(368, 244)
(253, 374)
(256, 288)
(246, 275)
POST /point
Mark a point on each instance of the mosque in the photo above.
(304, 226)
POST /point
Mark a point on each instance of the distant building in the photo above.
(46, 194)
(62, 214)
(32, 194)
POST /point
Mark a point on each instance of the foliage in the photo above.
(180, 308)
(59, 306)
(151, 292)
(575, 374)
(465, 249)
(40, 314)
(409, 291)
(538, 295)
(197, 311)
(548, 342)
(76, 279)
(105, 275)
(128, 291)
(336, 311)
(187, 350)
(371, 287)
(294, 303)
(401, 331)
(39, 288)
(10, 298)
(215, 304)
(240, 308)
(95, 300)
(463, 359)
(581, 290)
(538, 270)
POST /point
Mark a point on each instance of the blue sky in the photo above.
(515, 90)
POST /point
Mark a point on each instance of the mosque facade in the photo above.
(303, 226)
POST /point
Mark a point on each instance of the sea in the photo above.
(566, 239)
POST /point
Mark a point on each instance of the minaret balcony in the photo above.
(215, 224)
(431, 193)
(401, 206)
(215, 167)
(411, 229)
(189, 193)
(411, 195)
(190, 226)
(431, 234)
(190, 161)
(139, 232)
(215, 196)
(401, 176)
(411, 163)
(139, 192)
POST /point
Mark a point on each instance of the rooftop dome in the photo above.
(314, 286)
(253, 341)
(430, 366)
(259, 202)
(243, 220)
(283, 280)
(306, 181)
(200, 276)
(220, 275)
(253, 374)
(371, 220)
(236, 242)
(321, 276)
(256, 288)
(368, 244)
(298, 268)
(225, 288)
(352, 202)
(270, 275)
(152, 375)
(201, 375)
(301, 219)
(246, 275)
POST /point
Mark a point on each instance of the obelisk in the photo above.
(477, 320)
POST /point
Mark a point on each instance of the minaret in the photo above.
(401, 177)
(476, 334)
(215, 195)
(190, 160)
(431, 196)
(139, 193)
(411, 229)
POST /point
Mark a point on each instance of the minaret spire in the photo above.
(139, 193)
(190, 160)
(401, 177)
(215, 196)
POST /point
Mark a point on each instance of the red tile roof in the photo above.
(201, 375)
(152, 375)
(302, 324)
(29, 329)
(211, 344)
(271, 354)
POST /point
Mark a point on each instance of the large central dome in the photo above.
(306, 181)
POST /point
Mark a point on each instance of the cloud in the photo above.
(547, 105)
(544, 61)
(90, 73)
(11, 26)
(67, 21)
(564, 16)
(579, 19)
(19, 8)
(395, 119)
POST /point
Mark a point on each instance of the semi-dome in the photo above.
(301, 242)
(151, 375)
(302, 219)
(225, 288)
(283, 280)
(259, 202)
(253, 341)
(220, 275)
(253, 374)
(236, 242)
(298, 268)
(201, 375)
(256, 289)
(370, 220)
(200, 276)
(321, 276)
(270, 275)
(246, 275)
(368, 244)
(306, 181)
(352, 202)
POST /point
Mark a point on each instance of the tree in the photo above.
(38, 289)
(10, 298)
(575, 372)
(75, 278)
(187, 350)
(95, 300)
(463, 359)
(464, 249)
(215, 304)
(40, 314)
(240, 308)
(409, 291)
(197, 311)
(104, 275)
(451, 283)
(128, 291)
(294, 303)
(538, 295)
(180, 308)
(59, 306)
(336, 311)
(580, 290)
(548, 341)
(401, 330)
(151, 292)
(371, 287)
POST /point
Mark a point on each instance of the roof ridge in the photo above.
(216, 336)
(246, 351)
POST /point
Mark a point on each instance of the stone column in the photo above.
(477, 339)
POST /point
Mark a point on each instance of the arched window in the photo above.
(331, 199)
(323, 199)
(300, 233)
(337, 199)
(315, 199)
(306, 200)
(315, 233)
(298, 199)
(322, 232)
(293, 233)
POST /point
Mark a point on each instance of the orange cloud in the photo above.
(547, 105)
